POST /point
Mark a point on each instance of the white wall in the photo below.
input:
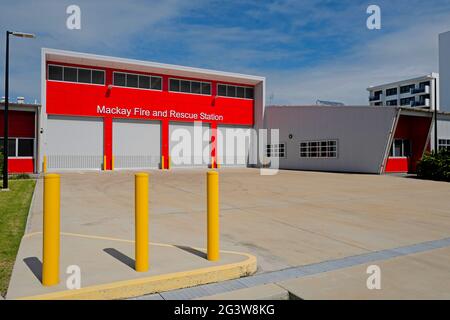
(362, 133)
(444, 70)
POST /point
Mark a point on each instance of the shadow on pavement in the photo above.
(35, 265)
(121, 257)
(199, 253)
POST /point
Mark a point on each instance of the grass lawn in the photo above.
(14, 205)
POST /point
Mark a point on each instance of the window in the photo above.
(55, 73)
(156, 83)
(195, 87)
(240, 92)
(72, 74)
(406, 101)
(144, 82)
(226, 90)
(422, 85)
(406, 89)
(206, 88)
(19, 147)
(222, 90)
(187, 86)
(25, 147)
(275, 150)
(98, 77)
(391, 92)
(84, 76)
(132, 80)
(231, 91)
(444, 144)
(391, 102)
(400, 148)
(249, 93)
(119, 79)
(11, 147)
(174, 85)
(319, 149)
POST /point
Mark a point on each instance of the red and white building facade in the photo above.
(23, 120)
(104, 112)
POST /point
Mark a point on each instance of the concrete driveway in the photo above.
(289, 219)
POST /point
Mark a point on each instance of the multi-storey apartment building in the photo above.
(421, 92)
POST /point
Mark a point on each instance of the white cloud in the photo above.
(409, 52)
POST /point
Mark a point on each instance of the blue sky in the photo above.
(307, 50)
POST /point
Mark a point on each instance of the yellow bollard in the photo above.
(50, 252)
(162, 162)
(112, 162)
(141, 222)
(104, 163)
(213, 215)
(168, 162)
(44, 164)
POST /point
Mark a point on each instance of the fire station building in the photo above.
(103, 112)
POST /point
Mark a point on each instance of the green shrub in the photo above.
(1, 164)
(20, 176)
(435, 166)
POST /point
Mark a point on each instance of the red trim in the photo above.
(108, 141)
(165, 142)
(415, 129)
(213, 142)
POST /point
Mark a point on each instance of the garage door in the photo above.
(136, 144)
(74, 143)
(233, 144)
(189, 144)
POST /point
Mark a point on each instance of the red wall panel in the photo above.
(397, 165)
(16, 165)
(416, 130)
(66, 98)
(21, 124)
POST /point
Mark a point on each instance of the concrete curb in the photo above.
(269, 291)
(144, 286)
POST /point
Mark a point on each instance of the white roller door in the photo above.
(189, 144)
(74, 143)
(136, 144)
(233, 145)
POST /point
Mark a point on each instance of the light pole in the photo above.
(5, 136)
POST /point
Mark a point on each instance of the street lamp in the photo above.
(5, 136)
